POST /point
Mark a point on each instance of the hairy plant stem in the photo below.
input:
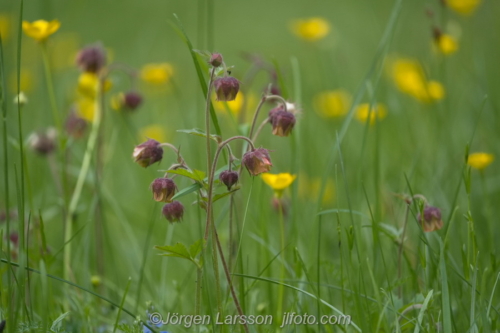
(207, 120)
(281, 289)
(259, 129)
(87, 158)
(401, 245)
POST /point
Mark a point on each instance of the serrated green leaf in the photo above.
(196, 248)
(200, 132)
(185, 191)
(196, 175)
(178, 250)
(204, 54)
(225, 194)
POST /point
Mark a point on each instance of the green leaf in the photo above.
(182, 33)
(185, 191)
(200, 132)
(196, 175)
(225, 194)
(178, 250)
(57, 323)
(196, 248)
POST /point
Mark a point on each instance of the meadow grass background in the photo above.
(352, 252)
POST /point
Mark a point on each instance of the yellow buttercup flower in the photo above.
(333, 103)
(157, 74)
(278, 182)
(309, 188)
(480, 160)
(88, 84)
(311, 29)
(4, 26)
(464, 7)
(233, 106)
(379, 111)
(446, 44)
(155, 132)
(40, 30)
(409, 77)
(86, 108)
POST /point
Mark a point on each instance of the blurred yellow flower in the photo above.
(4, 27)
(116, 101)
(464, 7)
(40, 30)
(332, 103)
(480, 160)
(86, 108)
(155, 132)
(309, 189)
(157, 74)
(88, 84)
(410, 78)
(311, 29)
(26, 82)
(446, 44)
(278, 182)
(234, 106)
(95, 280)
(363, 112)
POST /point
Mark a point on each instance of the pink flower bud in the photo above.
(431, 219)
(163, 189)
(228, 178)
(226, 88)
(257, 161)
(91, 59)
(148, 153)
(216, 60)
(132, 100)
(173, 211)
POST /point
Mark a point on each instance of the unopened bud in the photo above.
(216, 60)
(91, 58)
(21, 99)
(173, 211)
(257, 161)
(226, 88)
(228, 178)
(148, 153)
(43, 143)
(75, 125)
(163, 189)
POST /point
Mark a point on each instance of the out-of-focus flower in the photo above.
(163, 189)
(126, 101)
(91, 58)
(5, 22)
(278, 182)
(173, 211)
(43, 143)
(40, 30)
(257, 161)
(446, 44)
(311, 29)
(148, 153)
(228, 178)
(364, 114)
(281, 120)
(480, 160)
(309, 188)
(333, 103)
(155, 132)
(233, 106)
(410, 79)
(75, 125)
(21, 99)
(88, 84)
(26, 80)
(430, 220)
(95, 280)
(157, 74)
(86, 108)
(464, 7)
(226, 88)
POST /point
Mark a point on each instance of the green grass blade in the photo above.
(121, 304)
(445, 292)
(422, 312)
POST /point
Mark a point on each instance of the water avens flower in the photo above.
(257, 161)
(148, 153)
(40, 30)
(43, 143)
(91, 58)
(75, 125)
(226, 88)
(228, 178)
(163, 189)
(282, 121)
(157, 74)
(278, 182)
(311, 29)
(173, 211)
(480, 161)
(430, 220)
(332, 103)
(126, 101)
(216, 60)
